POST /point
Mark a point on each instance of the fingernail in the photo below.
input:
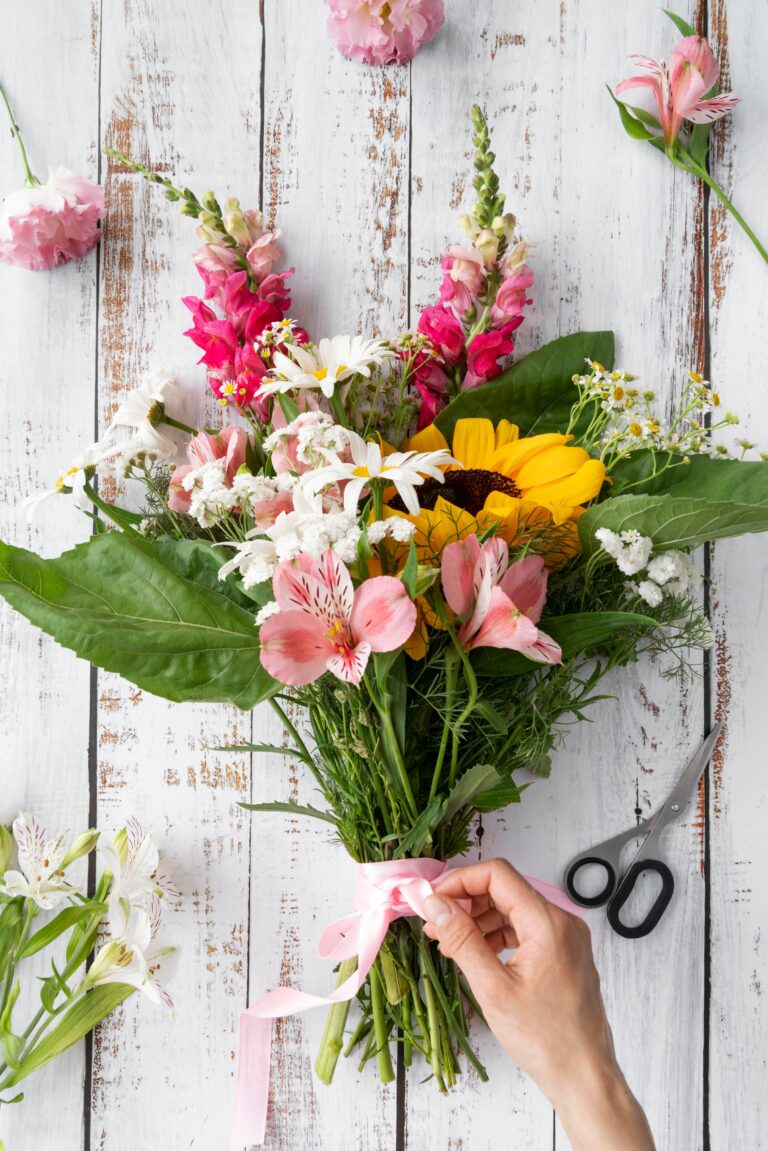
(438, 911)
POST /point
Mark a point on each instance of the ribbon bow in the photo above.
(385, 892)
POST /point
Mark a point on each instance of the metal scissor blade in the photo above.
(688, 781)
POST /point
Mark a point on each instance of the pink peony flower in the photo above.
(485, 351)
(44, 225)
(383, 33)
(444, 332)
(229, 444)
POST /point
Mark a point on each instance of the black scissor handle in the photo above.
(590, 900)
(628, 886)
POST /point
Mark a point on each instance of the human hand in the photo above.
(544, 1004)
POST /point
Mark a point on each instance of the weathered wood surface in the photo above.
(364, 169)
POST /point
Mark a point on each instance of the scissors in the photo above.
(607, 855)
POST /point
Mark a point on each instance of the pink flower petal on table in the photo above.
(295, 647)
(383, 614)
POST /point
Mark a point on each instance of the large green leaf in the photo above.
(575, 633)
(153, 611)
(701, 477)
(537, 392)
(76, 1022)
(675, 521)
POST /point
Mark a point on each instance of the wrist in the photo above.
(598, 1110)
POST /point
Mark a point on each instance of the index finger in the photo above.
(511, 893)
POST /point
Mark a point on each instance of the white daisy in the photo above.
(406, 470)
(73, 479)
(326, 364)
(142, 410)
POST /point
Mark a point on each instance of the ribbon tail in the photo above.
(252, 1081)
(554, 895)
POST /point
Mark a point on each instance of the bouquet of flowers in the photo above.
(120, 923)
(436, 552)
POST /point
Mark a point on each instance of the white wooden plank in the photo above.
(335, 180)
(47, 334)
(586, 195)
(738, 850)
(187, 101)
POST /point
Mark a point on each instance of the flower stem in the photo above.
(690, 165)
(386, 1071)
(332, 1041)
(31, 180)
(178, 424)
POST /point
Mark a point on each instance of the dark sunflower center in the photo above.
(466, 488)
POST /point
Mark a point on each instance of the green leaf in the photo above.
(537, 392)
(575, 633)
(646, 118)
(414, 841)
(289, 407)
(498, 797)
(480, 778)
(673, 521)
(410, 571)
(81, 1018)
(632, 125)
(155, 612)
(683, 27)
(261, 749)
(59, 924)
(700, 476)
(292, 809)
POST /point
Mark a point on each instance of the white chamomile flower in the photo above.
(73, 479)
(143, 410)
(406, 470)
(326, 364)
(41, 875)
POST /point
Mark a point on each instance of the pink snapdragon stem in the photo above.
(385, 892)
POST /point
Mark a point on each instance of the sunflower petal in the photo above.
(429, 439)
(552, 464)
(474, 442)
(511, 458)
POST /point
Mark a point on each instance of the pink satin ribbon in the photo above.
(385, 892)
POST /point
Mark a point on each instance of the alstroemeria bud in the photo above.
(6, 847)
(80, 846)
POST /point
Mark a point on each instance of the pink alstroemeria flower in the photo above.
(499, 605)
(325, 624)
(679, 86)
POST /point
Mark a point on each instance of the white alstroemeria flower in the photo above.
(133, 859)
(136, 958)
(326, 364)
(406, 470)
(72, 480)
(142, 410)
(41, 877)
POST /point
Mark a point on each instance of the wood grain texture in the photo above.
(47, 336)
(364, 168)
(738, 810)
(168, 90)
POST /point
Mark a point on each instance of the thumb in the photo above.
(460, 939)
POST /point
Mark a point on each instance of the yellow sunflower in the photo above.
(527, 489)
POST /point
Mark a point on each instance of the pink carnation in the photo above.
(383, 33)
(51, 223)
(485, 351)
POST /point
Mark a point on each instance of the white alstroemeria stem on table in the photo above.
(121, 919)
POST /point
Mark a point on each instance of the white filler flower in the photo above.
(326, 364)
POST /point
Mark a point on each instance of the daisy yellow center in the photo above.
(320, 374)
